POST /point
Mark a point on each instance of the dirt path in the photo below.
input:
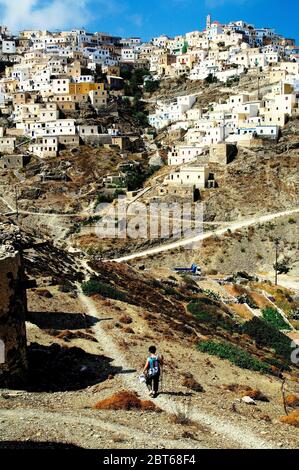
(284, 280)
(78, 427)
(233, 226)
(6, 203)
(231, 434)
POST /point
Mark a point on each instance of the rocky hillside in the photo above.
(259, 180)
(86, 346)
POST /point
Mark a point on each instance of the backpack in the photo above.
(154, 367)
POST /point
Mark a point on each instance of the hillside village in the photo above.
(50, 81)
(206, 118)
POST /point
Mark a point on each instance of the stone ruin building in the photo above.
(13, 307)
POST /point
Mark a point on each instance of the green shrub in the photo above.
(66, 286)
(213, 318)
(205, 317)
(246, 299)
(141, 118)
(234, 354)
(282, 267)
(151, 86)
(267, 335)
(91, 220)
(109, 197)
(93, 286)
(211, 79)
(278, 364)
(75, 228)
(274, 318)
(103, 198)
(213, 295)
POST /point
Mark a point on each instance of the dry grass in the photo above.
(129, 330)
(242, 311)
(44, 293)
(235, 290)
(292, 400)
(125, 319)
(292, 419)
(68, 335)
(243, 390)
(189, 435)
(260, 300)
(118, 439)
(181, 418)
(281, 295)
(125, 400)
(266, 418)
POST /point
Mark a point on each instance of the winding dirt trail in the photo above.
(82, 424)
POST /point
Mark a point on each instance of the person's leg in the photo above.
(149, 383)
(156, 385)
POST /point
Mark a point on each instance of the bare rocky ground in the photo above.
(259, 181)
(250, 249)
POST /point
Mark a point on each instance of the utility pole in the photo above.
(276, 260)
(17, 201)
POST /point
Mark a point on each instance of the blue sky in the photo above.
(148, 18)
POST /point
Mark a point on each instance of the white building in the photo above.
(7, 144)
(193, 175)
(60, 127)
(184, 154)
(8, 47)
(129, 54)
(60, 86)
(167, 113)
(44, 147)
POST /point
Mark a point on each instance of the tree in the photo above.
(151, 86)
(185, 48)
(141, 117)
(211, 79)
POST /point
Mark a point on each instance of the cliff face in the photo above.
(13, 306)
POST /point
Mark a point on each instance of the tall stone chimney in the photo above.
(13, 307)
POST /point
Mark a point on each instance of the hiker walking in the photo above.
(152, 370)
